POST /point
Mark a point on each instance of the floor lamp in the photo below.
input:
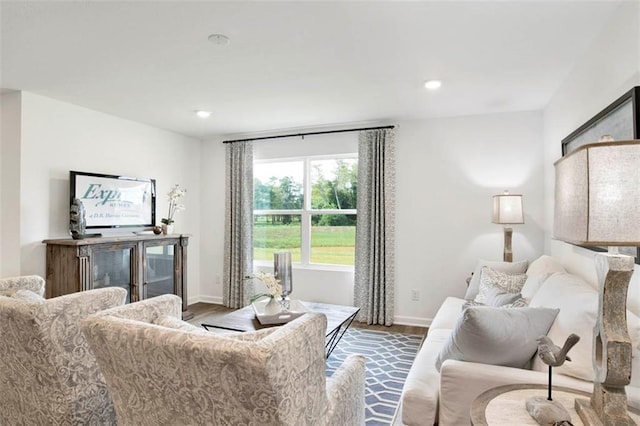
(597, 200)
(507, 210)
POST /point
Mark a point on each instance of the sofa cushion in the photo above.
(497, 336)
(533, 284)
(508, 267)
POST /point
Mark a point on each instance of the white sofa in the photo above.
(444, 397)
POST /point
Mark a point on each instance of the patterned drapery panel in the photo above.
(238, 235)
(375, 239)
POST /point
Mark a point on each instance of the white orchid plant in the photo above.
(273, 286)
(175, 194)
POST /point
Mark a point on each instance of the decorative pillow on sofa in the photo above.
(497, 336)
(495, 296)
(504, 282)
(578, 304)
(544, 265)
(508, 267)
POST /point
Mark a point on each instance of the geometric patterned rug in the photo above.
(389, 358)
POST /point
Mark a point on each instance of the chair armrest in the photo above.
(345, 392)
(252, 336)
(34, 283)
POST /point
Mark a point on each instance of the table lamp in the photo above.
(507, 210)
(597, 199)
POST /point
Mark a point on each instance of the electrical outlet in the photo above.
(218, 280)
(415, 295)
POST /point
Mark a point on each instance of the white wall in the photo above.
(57, 137)
(607, 70)
(447, 171)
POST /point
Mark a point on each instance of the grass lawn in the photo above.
(329, 244)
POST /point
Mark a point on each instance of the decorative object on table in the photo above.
(157, 230)
(597, 192)
(547, 411)
(175, 194)
(78, 221)
(507, 210)
(282, 272)
(554, 355)
(274, 304)
(274, 314)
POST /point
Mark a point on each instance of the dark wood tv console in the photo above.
(145, 265)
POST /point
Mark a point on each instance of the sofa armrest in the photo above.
(345, 392)
(34, 283)
(461, 382)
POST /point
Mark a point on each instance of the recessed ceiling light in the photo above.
(432, 84)
(219, 39)
(203, 114)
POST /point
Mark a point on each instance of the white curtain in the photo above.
(238, 236)
(375, 239)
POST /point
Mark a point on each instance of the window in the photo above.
(306, 206)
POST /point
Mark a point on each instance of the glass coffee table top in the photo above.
(339, 318)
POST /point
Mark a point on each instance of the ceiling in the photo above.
(293, 65)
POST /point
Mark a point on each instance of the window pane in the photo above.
(278, 186)
(334, 183)
(333, 239)
(274, 232)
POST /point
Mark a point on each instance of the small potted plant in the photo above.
(175, 194)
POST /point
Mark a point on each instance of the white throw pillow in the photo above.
(490, 279)
(508, 267)
(497, 336)
(533, 284)
(578, 304)
(544, 265)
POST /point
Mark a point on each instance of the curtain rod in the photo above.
(323, 132)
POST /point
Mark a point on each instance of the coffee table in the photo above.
(339, 318)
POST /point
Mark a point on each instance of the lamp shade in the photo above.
(507, 209)
(597, 195)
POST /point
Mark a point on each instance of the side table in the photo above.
(506, 404)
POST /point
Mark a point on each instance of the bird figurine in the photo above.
(550, 412)
(554, 355)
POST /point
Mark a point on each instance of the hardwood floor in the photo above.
(201, 310)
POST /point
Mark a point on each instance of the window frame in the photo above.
(306, 212)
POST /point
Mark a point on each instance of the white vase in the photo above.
(272, 307)
(167, 229)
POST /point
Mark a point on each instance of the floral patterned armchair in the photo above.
(163, 371)
(48, 374)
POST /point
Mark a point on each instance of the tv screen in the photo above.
(112, 201)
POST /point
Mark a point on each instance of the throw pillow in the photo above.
(532, 284)
(578, 304)
(544, 265)
(509, 267)
(496, 297)
(508, 283)
(497, 336)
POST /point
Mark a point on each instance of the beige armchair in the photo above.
(177, 373)
(48, 374)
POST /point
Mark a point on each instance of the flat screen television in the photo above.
(113, 201)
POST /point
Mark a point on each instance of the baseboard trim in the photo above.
(205, 299)
(412, 321)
